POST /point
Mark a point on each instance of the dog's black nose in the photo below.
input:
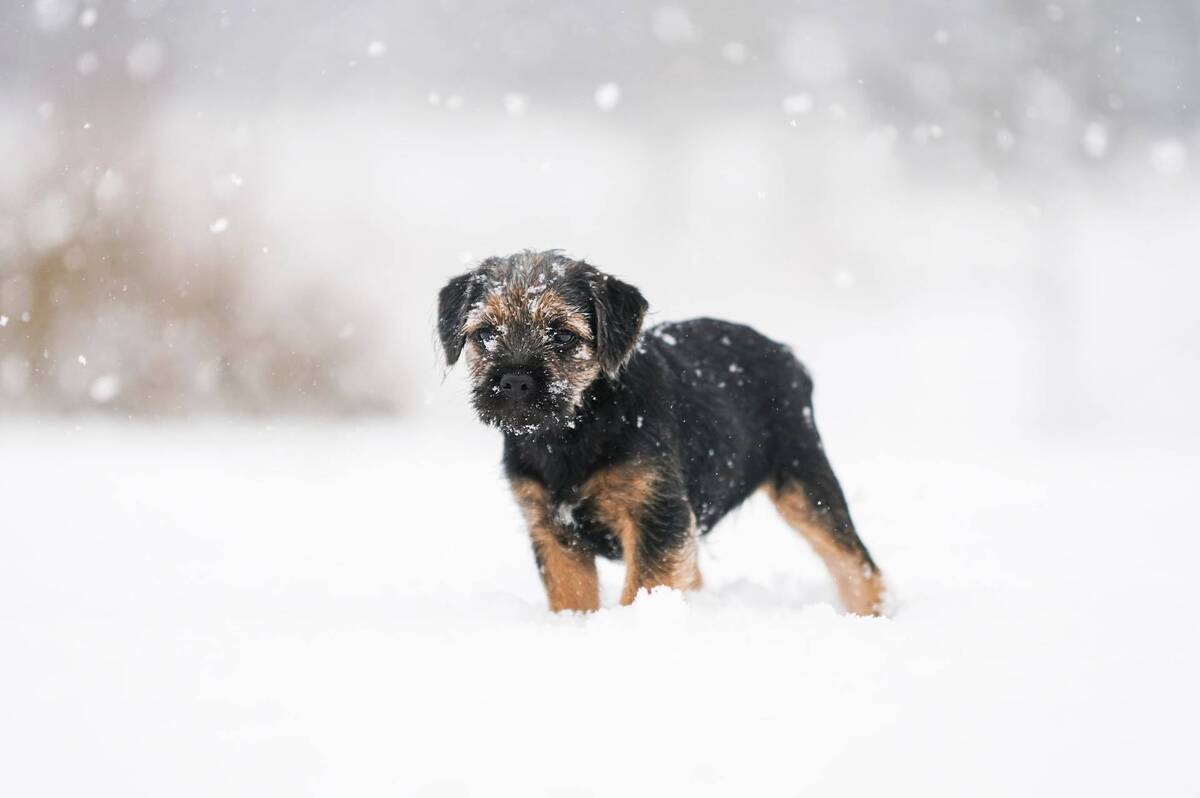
(517, 388)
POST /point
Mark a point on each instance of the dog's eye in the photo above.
(563, 337)
(485, 336)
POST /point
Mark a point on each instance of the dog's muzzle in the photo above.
(517, 389)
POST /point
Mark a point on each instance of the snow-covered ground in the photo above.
(243, 609)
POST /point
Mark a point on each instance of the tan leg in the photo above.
(677, 569)
(622, 497)
(831, 535)
(568, 575)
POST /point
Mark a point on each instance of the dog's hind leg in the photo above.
(810, 499)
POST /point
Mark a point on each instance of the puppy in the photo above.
(624, 445)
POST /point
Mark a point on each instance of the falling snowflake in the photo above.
(607, 96)
(1095, 140)
(87, 63)
(515, 104)
(145, 59)
(1168, 157)
(672, 25)
(53, 14)
(797, 104)
(734, 52)
(105, 388)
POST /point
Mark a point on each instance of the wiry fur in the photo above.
(634, 445)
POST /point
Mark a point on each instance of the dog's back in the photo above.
(742, 403)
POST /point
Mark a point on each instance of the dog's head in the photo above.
(538, 329)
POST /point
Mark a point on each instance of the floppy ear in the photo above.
(454, 303)
(619, 310)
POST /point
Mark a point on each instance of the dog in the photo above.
(631, 445)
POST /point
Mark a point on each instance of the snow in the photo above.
(51, 15)
(353, 610)
(672, 25)
(566, 514)
(734, 52)
(111, 192)
(219, 225)
(813, 52)
(105, 388)
(87, 63)
(1095, 140)
(607, 96)
(14, 375)
(51, 222)
(1168, 157)
(797, 104)
(143, 9)
(145, 59)
(515, 104)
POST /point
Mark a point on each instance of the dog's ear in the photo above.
(619, 310)
(454, 303)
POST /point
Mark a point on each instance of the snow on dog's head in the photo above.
(539, 330)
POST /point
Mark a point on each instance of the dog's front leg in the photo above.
(644, 505)
(568, 574)
(660, 548)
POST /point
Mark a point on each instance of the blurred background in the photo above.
(969, 218)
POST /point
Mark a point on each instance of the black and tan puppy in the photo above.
(621, 444)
